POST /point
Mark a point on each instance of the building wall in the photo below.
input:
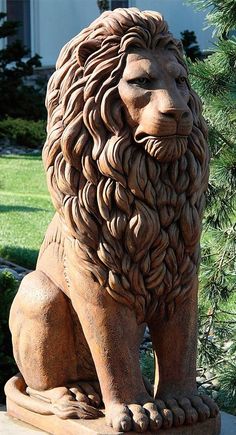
(55, 22)
(181, 17)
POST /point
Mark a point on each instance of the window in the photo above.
(118, 4)
(19, 10)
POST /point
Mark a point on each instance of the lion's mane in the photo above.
(133, 223)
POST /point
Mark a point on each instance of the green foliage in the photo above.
(216, 75)
(8, 288)
(103, 5)
(222, 14)
(217, 350)
(147, 365)
(227, 380)
(191, 48)
(17, 99)
(8, 28)
(23, 132)
(215, 81)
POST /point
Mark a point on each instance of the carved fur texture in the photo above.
(133, 222)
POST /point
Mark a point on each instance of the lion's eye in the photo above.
(140, 81)
(181, 80)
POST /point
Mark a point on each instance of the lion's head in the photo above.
(126, 157)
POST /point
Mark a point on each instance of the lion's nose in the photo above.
(176, 114)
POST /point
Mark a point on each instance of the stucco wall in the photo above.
(181, 17)
(54, 22)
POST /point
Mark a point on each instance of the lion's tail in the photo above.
(15, 390)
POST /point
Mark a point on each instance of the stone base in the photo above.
(56, 426)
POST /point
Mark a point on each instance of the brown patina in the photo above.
(127, 160)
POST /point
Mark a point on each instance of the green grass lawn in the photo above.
(25, 208)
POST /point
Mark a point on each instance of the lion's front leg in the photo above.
(113, 337)
(175, 346)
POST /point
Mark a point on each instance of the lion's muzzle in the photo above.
(164, 149)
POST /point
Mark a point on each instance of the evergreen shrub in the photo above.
(214, 79)
(22, 132)
(19, 99)
(8, 289)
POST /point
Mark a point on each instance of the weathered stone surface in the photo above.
(56, 426)
(127, 162)
(13, 426)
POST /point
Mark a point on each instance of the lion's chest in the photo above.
(161, 250)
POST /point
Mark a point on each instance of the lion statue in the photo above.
(126, 158)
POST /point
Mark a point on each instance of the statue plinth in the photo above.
(56, 426)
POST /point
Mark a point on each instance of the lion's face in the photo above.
(155, 95)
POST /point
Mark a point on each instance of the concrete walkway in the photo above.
(11, 426)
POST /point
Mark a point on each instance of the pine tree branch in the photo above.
(212, 315)
(229, 322)
(227, 312)
(229, 144)
(223, 255)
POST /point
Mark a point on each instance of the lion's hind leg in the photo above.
(44, 348)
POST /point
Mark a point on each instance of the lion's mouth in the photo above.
(163, 148)
(142, 137)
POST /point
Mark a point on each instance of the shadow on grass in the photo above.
(21, 208)
(22, 256)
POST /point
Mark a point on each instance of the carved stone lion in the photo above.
(126, 159)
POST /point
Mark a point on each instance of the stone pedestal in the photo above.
(56, 426)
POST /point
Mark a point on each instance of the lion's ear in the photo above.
(86, 49)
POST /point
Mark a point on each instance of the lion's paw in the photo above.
(205, 407)
(198, 408)
(133, 417)
(80, 400)
(88, 392)
(188, 410)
